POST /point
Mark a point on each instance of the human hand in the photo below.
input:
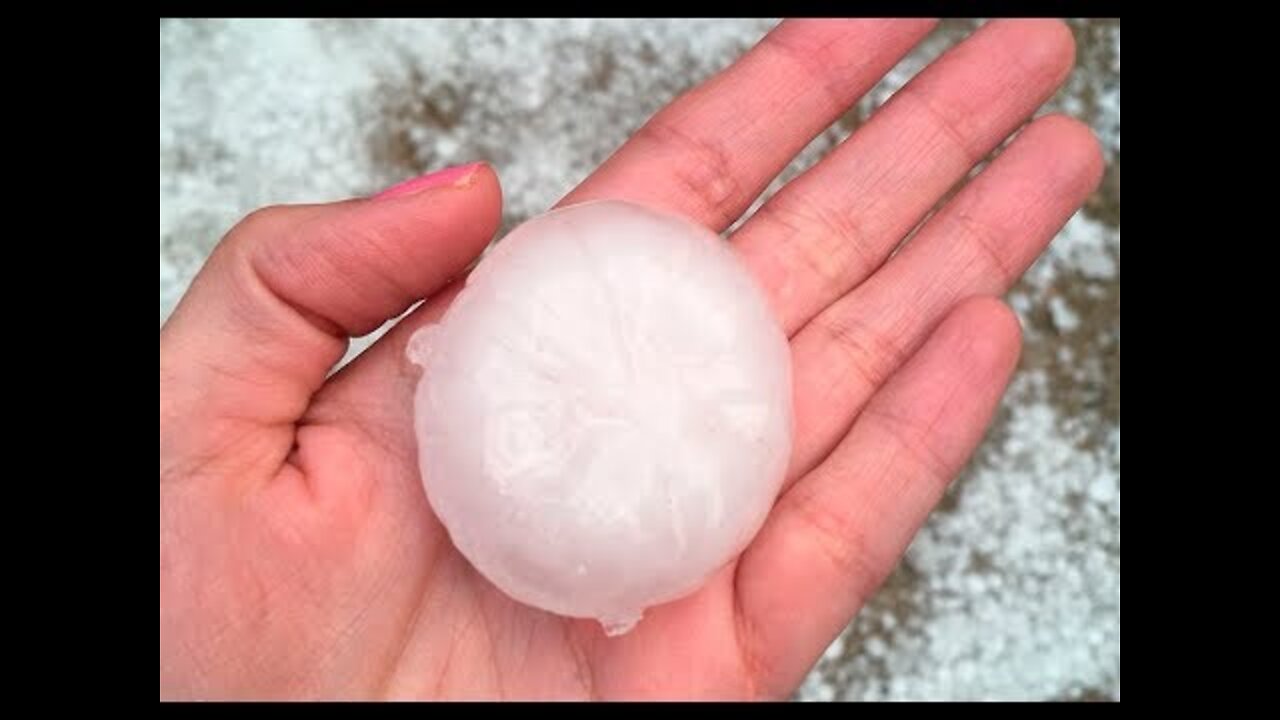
(298, 554)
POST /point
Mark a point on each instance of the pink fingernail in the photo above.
(449, 176)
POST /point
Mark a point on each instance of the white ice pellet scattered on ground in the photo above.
(1064, 318)
(264, 111)
(1088, 246)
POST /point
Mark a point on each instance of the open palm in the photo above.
(298, 554)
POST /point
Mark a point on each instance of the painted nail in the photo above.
(449, 176)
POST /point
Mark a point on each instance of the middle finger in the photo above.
(830, 228)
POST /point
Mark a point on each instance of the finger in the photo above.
(833, 538)
(707, 155)
(830, 228)
(712, 151)
(979, 243)
(372, 396)
(270, 312)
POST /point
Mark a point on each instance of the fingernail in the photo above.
(458, 175)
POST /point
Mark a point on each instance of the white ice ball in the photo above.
(604, 418)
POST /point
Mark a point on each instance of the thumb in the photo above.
(270, 312)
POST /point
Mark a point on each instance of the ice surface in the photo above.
(605, 414)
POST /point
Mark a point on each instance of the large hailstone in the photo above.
(604, 418)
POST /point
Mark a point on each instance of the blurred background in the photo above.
(1012, 590)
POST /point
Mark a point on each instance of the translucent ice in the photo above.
(604, 418)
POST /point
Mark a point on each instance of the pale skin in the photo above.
(299, 557)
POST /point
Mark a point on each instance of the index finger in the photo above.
(709, 153)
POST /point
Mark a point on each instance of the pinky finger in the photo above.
(838, 532)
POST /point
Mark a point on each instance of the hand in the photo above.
(298, 554)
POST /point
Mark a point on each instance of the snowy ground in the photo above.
(1011, 591)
